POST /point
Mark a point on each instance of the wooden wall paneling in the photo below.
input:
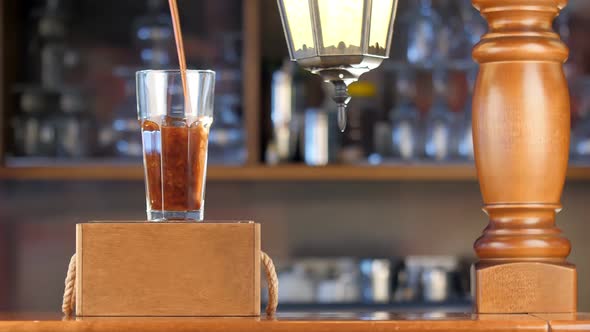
(11, 37)
(4, 54)
(251, 79)
(7, 259)
(7, 21)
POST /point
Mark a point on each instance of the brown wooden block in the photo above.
(168, 269)
(524, 287)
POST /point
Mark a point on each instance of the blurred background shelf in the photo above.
(120, 170)
(410, 119)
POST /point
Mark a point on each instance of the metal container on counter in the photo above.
(338, 282)
(352, 281)
(295, 284)
(375, 280)
(428, 279)
(319, 280)
(335, 280)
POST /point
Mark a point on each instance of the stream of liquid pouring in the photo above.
(180, 51)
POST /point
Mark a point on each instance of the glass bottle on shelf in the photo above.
(227, 136)
(226, 139)
(357, 140)
(383, 145)
(405, 133)
(580, 141)
(39, 126)
(51, 32)
(320, 135)
(125, 131)
(377, 124)
(562, 24)
(153, 39)
(153, 35)
(422, 24)
(75, 130)
(454, 40)
(437, 145)
(474, 26)
(464, 131)
(286, 110)
(35, 126)
(568, 26)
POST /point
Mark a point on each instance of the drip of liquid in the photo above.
(342, 117)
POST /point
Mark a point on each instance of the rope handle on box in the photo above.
(69, 300)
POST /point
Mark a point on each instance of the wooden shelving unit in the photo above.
(253, 170)
(131, 172)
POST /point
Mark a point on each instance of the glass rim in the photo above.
(174, 71)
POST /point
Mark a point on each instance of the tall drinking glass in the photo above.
(175, 132)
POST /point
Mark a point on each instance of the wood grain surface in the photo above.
(251, 85)
(289, 322)
(521, 132)
(168, 269)
(567, 322)
(525, 287)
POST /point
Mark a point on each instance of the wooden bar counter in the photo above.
(308, 322)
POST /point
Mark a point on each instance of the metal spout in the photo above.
(341, 97)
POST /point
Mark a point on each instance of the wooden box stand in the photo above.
(521, 132)
(167, 269)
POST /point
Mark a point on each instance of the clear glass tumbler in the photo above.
(175, 133)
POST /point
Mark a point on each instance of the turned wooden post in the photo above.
(521, 131)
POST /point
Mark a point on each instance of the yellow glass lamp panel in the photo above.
(341, 26)
(381, 16)
(299, 23)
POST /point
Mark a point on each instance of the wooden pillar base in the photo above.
(524, 287)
